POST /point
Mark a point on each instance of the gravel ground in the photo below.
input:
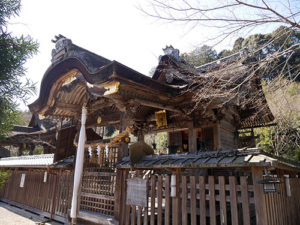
(10, 215)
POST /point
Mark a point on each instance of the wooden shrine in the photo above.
(204, 179)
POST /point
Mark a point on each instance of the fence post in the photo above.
(259, 199)
(118, 194)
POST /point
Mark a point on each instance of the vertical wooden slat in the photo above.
(146, 208)
(193, 200)
(202, 200)
(260, 207)
(167, 201)
(127, 214)
(233, 201)
(212, 200)
(152, 216)
(118, 195)
(146, 216)
(139, 216)
(223, 209)
(133, 214)
(184, 200)
(245, 200)
(123, 197)
(159, 200)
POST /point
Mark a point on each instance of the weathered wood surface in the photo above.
(199, 200)
(52, 197)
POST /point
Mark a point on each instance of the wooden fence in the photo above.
(199, 200)
(47, 194)
(213, 200)
(281, 208)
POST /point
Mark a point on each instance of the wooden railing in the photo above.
(50, 195)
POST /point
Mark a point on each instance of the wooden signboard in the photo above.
(136, 192)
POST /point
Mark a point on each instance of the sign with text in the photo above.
(136, 192)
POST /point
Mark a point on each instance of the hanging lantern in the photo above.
(161, 119)
(99, 119)
(269, 184)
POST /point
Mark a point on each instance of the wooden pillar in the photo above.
(118, 195)
(141, 136)
(192, 137)
(217, 139)
(259, 199)
(123, 147)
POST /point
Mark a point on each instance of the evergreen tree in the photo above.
(201, 55)
(14, 51)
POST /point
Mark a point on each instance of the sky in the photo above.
(114, 29)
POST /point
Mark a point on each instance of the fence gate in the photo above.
(98, 181)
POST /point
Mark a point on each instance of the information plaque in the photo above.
(136, 192)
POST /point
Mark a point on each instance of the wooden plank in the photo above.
(260, 207)
(193, 200)
(167, 200)
(233, 201)
(202, 200)
(118, 194)
(159, 200)
(123, 197)
(127, 214)
(223, 209)
(139, 216)
(97, 196)
(133, 214)
(212, 200)
(153, 184)
(184, 200)
(146, 216)
(245, 200)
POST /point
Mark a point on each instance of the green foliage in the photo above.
(14, 51)
(4, 175)
(161, 141)
(201, 55)
(283, 139)
(281, 44)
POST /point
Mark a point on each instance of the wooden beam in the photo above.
(152, 104)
